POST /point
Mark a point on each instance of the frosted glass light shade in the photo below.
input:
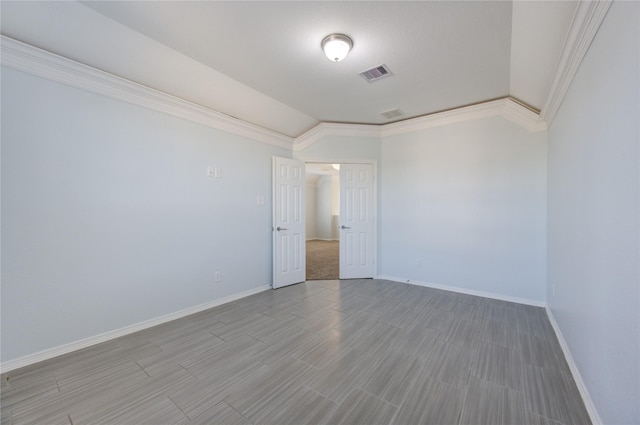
(336, 46)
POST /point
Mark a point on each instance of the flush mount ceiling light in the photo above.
(336, 46)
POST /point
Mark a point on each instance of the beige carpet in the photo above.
(323, 260)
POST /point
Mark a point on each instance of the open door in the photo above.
(357, 221)
(289, 261)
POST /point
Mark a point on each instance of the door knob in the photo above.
(343, 227)
(280, 228)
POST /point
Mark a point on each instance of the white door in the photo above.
(357, 221)
(289, 261)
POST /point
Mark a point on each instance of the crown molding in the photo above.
(325, 129)
(520, 114)
(30, 59)
(585, 24)
(41, 63)
(509, 108)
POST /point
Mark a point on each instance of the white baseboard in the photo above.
(586, 398)
(106, 336)
(492, 295)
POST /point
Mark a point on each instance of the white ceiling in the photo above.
(262, 61)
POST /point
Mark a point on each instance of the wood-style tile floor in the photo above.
(321, 352)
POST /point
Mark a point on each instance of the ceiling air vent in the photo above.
(376, 73)
(392, 113)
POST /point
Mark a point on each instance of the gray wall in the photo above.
(593, 273)
(465, 205)
(109, 218)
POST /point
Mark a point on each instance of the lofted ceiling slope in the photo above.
(261, 61)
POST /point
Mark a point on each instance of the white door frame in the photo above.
(374, 163)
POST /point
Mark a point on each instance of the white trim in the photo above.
(106, 336)
(586, 398)
(484, 294)
(584, 26)
(30, 59)
(508, 108)
(523, 116)
(334, 129)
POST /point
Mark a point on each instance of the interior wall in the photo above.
(335, 207)
(109, 218)
(311, 224)
(464, 205)
(594, 213)
(323, 212)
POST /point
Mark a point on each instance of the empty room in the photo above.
(331, 212)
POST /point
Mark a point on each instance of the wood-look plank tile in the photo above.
(56, 419)
(377, 340)
(131, 399)
(59, 404)
(491, 404)
(462, 332)
(218, 356)
(416, 339)
(240, 327)
(353, 304)
(313, 306)
(155, 411)
(214, 385)
(21, 389)
(267, 331)
(322, 321)
(361, 407)
(415, 299)
(499, 332)
(445, 301)
(500, 365)
(543, 352)
(269, 392)
(381, 305)
(318, 352)
(221, 413)
(470, 312)
(285, 345)
(336, 380)
(431, 402)
(433, 317)
(94, 368)
(393, 377)
(398, 316)
(106, 350)
(449, 363)
(305, 406)
(553, 395)
(353, 323)
(69, 380)
(172, 357)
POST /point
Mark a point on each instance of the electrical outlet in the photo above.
(210, 171)
(419, 263)
(218, 276)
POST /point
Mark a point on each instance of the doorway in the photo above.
(351, 220)
(322, 219)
